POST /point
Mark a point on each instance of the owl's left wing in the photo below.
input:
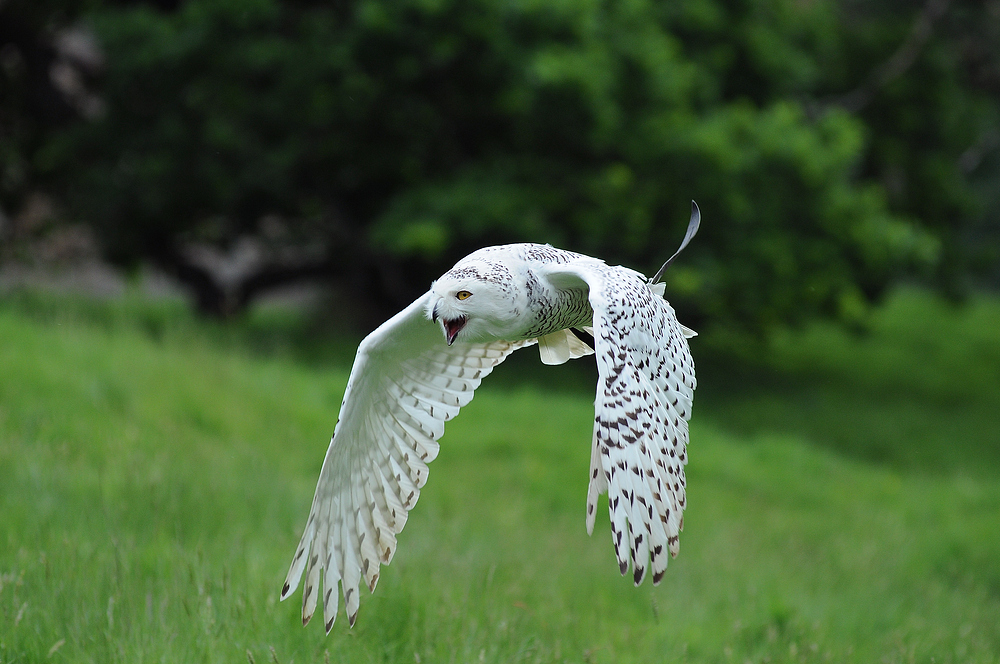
(645, 391)
(405, 384)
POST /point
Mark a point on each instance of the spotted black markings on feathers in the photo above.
(646, 379)
(550, 310)
(636, 382)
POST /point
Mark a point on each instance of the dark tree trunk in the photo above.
(213, 297)
(207, 294)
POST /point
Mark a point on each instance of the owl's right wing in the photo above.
(405, 384)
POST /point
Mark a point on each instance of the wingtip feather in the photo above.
(638, 574)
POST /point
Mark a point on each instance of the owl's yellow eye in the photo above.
(463, 294)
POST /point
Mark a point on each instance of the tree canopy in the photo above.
(834, 147)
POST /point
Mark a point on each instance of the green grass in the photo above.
(844, 501)
(918, 391)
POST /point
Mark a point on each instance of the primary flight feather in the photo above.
(417, 370)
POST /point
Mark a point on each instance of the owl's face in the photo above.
(473, 308)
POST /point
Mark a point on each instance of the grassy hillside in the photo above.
(918, 391)
(155, 473)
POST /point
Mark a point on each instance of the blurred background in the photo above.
(204, 204)
(836, 147)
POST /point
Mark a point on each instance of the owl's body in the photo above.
(417, 370)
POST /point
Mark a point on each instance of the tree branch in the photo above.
(899, 62)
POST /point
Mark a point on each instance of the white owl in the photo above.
(414, 373)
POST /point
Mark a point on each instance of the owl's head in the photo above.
(475, 302)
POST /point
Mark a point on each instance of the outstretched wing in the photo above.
(405, 384)
(645, 390)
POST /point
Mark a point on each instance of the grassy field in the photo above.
(844, 500)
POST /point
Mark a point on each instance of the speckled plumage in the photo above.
(419, 368)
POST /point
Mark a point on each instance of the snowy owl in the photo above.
(414, 373)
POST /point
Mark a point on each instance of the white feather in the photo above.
(407, 381)
(561, 346)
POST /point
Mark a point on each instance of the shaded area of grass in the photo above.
(317, 339)
(155, 476)
(919, 390)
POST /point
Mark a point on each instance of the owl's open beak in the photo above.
(453, 327)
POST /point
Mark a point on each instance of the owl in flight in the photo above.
(414, 373)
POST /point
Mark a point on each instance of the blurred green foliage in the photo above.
(374, 143)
